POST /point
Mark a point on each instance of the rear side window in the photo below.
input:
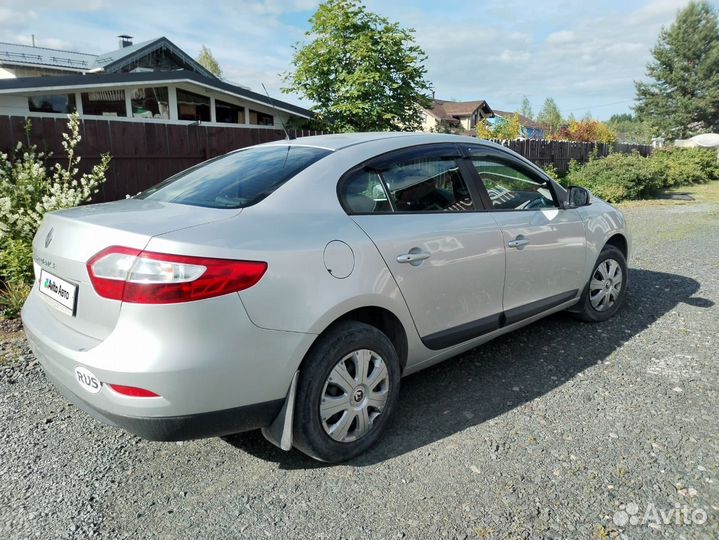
(236, 180)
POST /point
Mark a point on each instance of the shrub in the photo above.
(684, 166)
(16, 260)
(618, 177)
(12, 298)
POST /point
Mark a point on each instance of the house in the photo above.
(529, 128)
(152, 81)
(459, 115)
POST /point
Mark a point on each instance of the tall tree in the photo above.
(207, 60)
(363, 72)
(526, 108)
(550, 116)
(683, 97)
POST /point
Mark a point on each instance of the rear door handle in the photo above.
(413, 257)
(518, 242)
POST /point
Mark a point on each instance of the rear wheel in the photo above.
(347, 390)
(607, 287)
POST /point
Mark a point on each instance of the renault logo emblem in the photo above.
(48, 238)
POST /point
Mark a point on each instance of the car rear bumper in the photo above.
(185, 427)
(215, 372)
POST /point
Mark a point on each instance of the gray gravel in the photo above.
(562, 430)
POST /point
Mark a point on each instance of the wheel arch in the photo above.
(619, 241)
(381, 318)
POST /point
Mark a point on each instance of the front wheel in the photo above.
(347, 389)
(607, 287)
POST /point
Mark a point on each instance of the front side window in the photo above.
(52, 103)
(510, 188)
(236, 180)
(427, 185)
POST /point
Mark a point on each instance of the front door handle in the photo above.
(414, 258)
(518, 242)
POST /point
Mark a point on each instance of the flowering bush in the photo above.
(29, 189)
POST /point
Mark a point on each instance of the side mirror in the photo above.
(577, 196)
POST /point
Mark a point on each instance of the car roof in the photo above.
(337, 141)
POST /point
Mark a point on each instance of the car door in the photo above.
(545, 244)
(445, 253)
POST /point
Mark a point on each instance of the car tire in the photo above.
(592, 308)
(369, 358)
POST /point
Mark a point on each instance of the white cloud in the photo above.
(562, 37)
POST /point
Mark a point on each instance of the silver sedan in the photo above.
(289, 286)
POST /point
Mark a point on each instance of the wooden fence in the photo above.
(144, 153)
(560, 153)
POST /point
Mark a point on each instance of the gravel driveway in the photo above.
(561, 430)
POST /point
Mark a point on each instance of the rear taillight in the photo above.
(144, 277)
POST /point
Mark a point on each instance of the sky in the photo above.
(586, 55)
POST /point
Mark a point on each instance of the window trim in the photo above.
(441, 150)
(491, 154)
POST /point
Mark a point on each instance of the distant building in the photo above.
(459, 115)
(529, 128)
(146, 82)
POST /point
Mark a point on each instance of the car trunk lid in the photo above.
(67, 239)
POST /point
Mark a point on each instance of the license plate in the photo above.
(62, 293)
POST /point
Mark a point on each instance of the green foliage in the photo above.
(618, 177)
(683, 166)
(16, 260)
(363, 72)
(683, 97)
(630, 129)
(551, 171)
(12, 298)
(207, 60)
(550, 117)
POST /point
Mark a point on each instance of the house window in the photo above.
(227, 113)
(52, 103)
(261, 119)
(150, 103)
(104, 103)
(191, 106)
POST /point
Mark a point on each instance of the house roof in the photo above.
(525, 121)
(110, 62)
(450, 111)
(104, 80)
(118, 59)
(26, 55)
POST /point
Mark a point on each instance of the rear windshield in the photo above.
(236, 180)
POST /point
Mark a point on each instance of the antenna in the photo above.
(272, 104)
